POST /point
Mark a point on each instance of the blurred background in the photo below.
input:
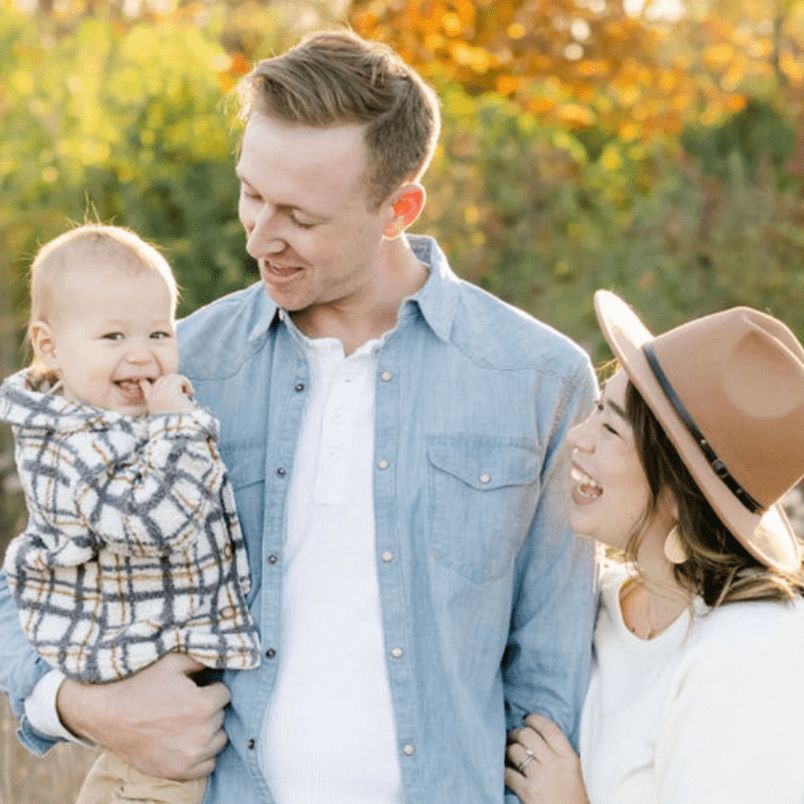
(653, 147)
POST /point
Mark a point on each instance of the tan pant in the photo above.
(112, 781)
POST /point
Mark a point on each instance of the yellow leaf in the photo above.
(718, 56)
(471, 215)
(506, 84)
(574, 115)
(611, 159)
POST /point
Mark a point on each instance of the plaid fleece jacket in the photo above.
(132, 548)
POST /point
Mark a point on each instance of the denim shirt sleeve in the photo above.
(549, 647)
(20, 669)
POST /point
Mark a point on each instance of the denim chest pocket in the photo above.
(483, 492)
(245, 467)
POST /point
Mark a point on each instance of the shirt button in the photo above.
(383, 464)
(270, 653)
(387, 556)
(397, 653)
(272, 559)
(252, 744)
(299, 387)
(408, 750)
(485, 477)
(386, 376)
(281, 471)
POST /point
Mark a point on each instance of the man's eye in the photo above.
(112, 336)
(249, 193)
(302, 224)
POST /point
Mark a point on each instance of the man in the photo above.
(394, 439)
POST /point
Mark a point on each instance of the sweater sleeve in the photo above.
(732, 731)
(154, 502)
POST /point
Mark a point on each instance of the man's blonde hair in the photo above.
(335, 78)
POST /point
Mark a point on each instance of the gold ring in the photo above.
(528, 757)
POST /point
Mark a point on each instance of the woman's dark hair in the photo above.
(718, 567)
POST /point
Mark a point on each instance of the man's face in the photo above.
(305, 208)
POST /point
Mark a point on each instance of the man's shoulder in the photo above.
(495, 332)
(217, 338)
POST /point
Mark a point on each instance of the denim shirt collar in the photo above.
(435, 299)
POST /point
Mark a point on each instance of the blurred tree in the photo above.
(580, 64)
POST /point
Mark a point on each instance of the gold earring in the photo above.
(674, 550)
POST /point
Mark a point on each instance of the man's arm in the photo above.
(158, 720)
(547, 660)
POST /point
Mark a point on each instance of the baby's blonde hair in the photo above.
(98, 246)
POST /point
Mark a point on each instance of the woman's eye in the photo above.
(610, 428)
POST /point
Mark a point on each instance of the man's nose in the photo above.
(264, 237)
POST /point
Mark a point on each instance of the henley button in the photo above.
(397, 653)
(383, 464)
(386, 376)
(408, 750)
(387, 556)
(281, 471)
(272, 559)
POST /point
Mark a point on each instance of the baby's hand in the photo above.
(169, 394)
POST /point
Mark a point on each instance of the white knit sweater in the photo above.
(709, 712)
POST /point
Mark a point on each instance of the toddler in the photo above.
(132, 547)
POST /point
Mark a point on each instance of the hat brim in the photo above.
(767, 536)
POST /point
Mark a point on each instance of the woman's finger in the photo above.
(517, 784)
(521, 758)
(549, 733)
(532, 740)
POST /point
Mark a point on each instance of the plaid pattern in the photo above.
(132, 548)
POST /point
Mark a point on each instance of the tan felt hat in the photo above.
(728, 389)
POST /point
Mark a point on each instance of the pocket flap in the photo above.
(484, 461)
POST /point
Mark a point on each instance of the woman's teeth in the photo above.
(587, 486)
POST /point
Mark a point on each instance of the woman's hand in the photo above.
(544, 768)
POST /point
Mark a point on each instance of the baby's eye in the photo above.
(112, 336)
(160, 335)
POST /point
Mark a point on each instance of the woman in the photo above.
(696, 693)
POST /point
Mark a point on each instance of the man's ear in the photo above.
(407, 204)
(43, 343)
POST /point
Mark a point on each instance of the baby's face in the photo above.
(111, 332)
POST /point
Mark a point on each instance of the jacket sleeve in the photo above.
(154, 502)
(547, 659)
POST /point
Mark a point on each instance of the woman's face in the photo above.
(610, 492)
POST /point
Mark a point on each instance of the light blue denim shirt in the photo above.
(481, 581)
